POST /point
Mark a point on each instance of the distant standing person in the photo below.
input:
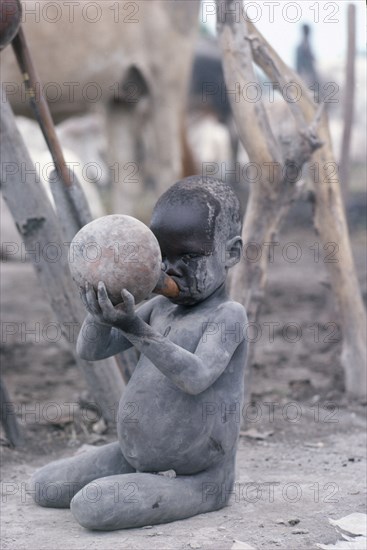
(305, 60)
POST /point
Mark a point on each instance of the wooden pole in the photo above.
(39, 104)
(349, 100)
(71, 204)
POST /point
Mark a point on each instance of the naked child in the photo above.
(187, 387)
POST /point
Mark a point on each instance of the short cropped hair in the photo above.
(216, 196)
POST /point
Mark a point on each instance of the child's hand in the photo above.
(89, 299)
(99, 305)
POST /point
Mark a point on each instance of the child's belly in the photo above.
(161, 428)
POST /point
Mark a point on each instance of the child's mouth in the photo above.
(178, 283)
(187, 289)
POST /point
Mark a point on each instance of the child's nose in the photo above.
(172, 267)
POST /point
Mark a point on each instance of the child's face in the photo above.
(189, 251)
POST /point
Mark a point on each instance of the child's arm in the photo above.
(191, 372)
(98, 340)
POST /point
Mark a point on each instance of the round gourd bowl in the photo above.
(120, 251)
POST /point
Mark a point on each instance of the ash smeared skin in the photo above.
(171, 413)
(200, 277)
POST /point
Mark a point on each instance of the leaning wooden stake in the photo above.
(39, 104)
(40, 231)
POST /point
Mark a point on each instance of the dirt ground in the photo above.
(300, 461)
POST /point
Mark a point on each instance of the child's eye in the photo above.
(190, 256)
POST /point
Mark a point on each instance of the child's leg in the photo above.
(55, 484)
(139, 499)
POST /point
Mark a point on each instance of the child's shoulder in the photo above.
(233, 309)
(227, 311)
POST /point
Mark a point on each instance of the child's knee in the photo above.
(105, 505)
(89, 513)
(48, 492)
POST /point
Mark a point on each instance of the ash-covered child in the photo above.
(178, 421)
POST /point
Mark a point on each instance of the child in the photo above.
(179, 414)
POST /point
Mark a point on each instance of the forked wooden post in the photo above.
(331, 224)
(38, 227)
(270, 198)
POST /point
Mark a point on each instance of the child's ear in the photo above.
(233, 251)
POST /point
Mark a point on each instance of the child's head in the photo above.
(197, 222)
(216, 200)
